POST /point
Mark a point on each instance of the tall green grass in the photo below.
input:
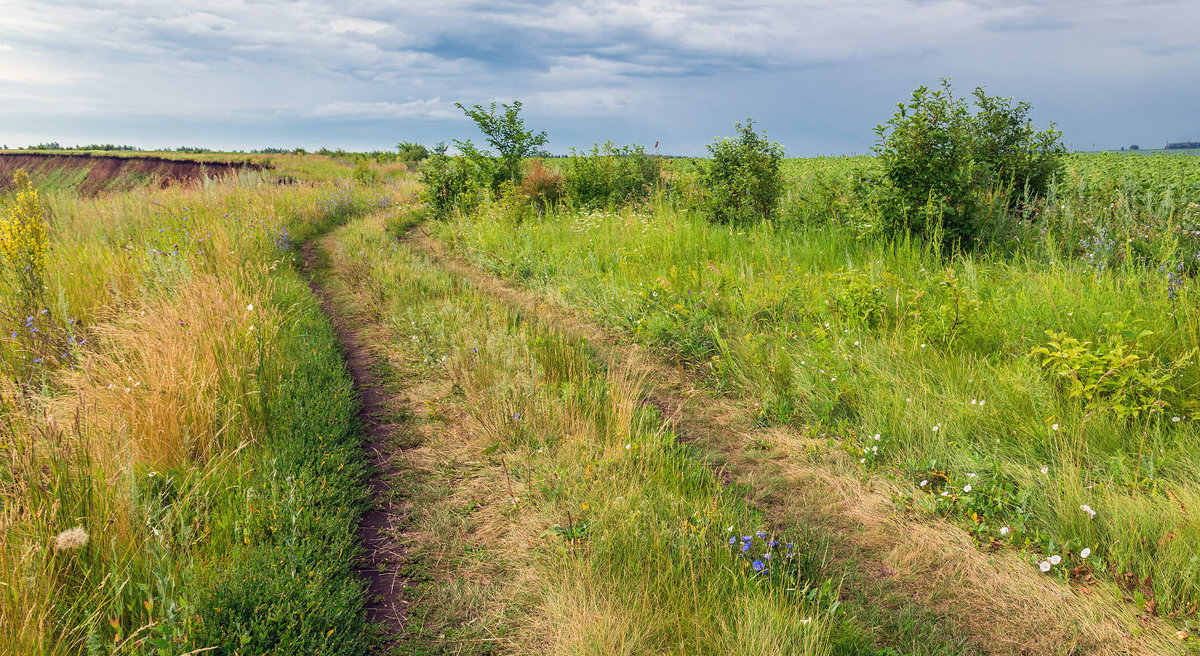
(823, 325)
(181, 464)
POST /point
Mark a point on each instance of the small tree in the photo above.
(743, 181)
(507, 134)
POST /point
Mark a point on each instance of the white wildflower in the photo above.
(72, 538)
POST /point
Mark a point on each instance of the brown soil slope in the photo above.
(91, 174)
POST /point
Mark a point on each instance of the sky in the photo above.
(817, 75)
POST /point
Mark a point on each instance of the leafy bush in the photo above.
(412, 152)
(946, 166)
(364, 174)
(449, 183)
(1012, 153)
(1114, 373)
(743, 182)
(611, 175)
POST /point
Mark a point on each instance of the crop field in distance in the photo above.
(943, 399)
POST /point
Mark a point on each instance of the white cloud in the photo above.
(433, 108)
(589, 102)
(357, 26)
(708, 61)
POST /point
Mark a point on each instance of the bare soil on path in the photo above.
(379, 531)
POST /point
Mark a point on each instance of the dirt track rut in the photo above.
(379, 530)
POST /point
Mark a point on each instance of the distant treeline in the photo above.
(54, 145)
(381, 156)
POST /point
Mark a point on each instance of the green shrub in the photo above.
(450, 183)
(364, 174)
(412, 152)
(743, 182)
(946, 168)
(611, 175)
(1011, 152)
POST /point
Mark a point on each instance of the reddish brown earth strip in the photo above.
(106, 171)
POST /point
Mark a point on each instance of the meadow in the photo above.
(184, 468)
(1043, 390)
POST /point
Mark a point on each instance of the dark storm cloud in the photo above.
(364, 73)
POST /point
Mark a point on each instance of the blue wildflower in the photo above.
(758, 565)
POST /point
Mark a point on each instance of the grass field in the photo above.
(612, 429)
(956, 375)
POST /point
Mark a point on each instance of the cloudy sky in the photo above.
(364, 74)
